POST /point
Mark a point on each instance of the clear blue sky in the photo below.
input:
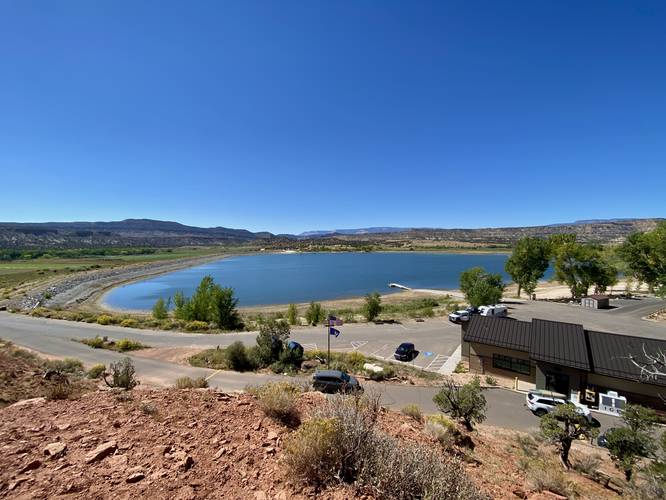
(289, 116)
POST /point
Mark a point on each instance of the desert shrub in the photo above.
(190, 383)
(104, 319)
(210, 358)
(460, 368)
(196, 326)
(587, 464)
(128, 345)
(278, 401)
(356, 360)
(67, 365)
(444, 435)
(311, 451)
(96, 371)
(387, 373)
(413, 411)
(123, 375)
(237, 357)
(129, 323)
(291, 358)
(490, 380)
(96, 342)
(545, 475)
(59, 389)
(342, 444)
(442, 420)
(408, 470)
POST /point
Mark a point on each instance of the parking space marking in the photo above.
(374, 353)
(437, 363)
(356, 344)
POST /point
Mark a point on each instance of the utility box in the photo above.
(611, 403)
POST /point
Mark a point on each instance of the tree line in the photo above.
(580, 266)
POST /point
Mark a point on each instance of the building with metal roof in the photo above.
(563, 357)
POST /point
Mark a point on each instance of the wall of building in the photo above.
(481, 361)
(577, 379)
(635, 392)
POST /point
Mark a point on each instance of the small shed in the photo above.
(595, 302)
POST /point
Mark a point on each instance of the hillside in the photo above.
(154, 233)
(190, 444)
(613, 231)
(126, 233)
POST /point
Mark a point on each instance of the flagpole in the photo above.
(328, 338)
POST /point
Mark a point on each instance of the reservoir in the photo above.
(302, 277)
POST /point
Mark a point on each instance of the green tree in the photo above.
(314, 314)
(645, 256)
(626, 447)
(224, 311)
(201, 302)
(528, 263)
(581, 266)
(160, 309)
(465, 403)
(628, 444)
(564, 425)
(292, 314)
(181, 307)
(270, 341)
(639, 418)
(373, 306)
(481, 287)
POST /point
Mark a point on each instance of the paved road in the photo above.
(435, 338)
(53, 337)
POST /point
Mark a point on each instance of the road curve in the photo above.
(53, 338)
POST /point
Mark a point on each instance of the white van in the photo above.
(495, 311)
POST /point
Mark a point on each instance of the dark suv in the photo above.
(405, 352)
(335, 381)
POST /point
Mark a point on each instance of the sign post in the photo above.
(329, 324)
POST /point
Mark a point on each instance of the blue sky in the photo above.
(290, 116)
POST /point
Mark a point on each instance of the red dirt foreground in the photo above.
(186, 444)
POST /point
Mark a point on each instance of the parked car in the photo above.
(332, 381)
(494, 310)
(472, 310)
(405, 352)
(602, 440)
(542, 402)
(459, 316)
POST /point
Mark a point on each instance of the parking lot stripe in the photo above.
(437, 363)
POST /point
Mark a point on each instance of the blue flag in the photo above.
(334, 331)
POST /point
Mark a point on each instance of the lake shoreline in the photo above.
(352, 300)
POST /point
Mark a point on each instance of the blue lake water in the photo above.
(302, 277)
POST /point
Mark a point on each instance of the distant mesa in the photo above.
(156, 233)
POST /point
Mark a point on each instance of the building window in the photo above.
(511, 364)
